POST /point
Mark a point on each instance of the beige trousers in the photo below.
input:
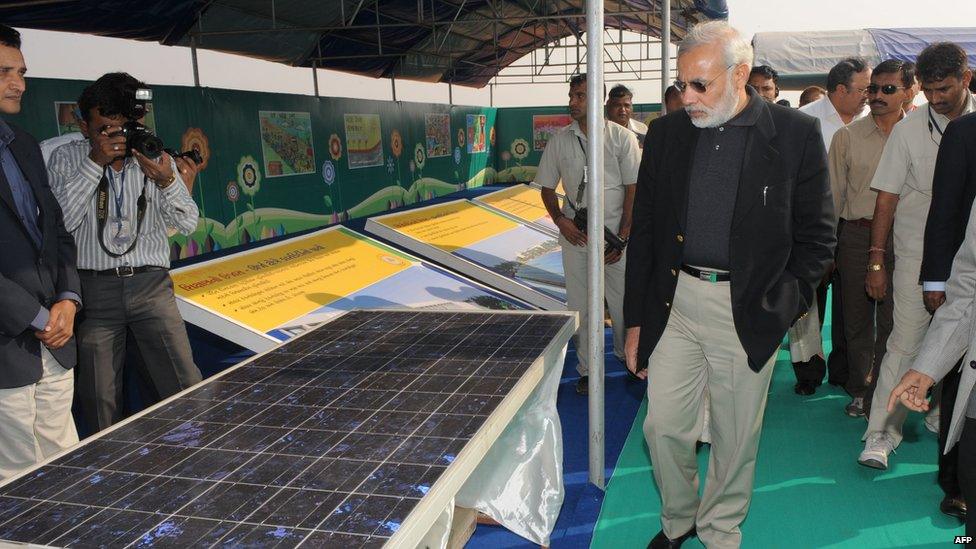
(911, 321)
(574, 267)
(698, 352)
(35, 420)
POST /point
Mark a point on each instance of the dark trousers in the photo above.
(948, 463)
(144, 307)
(867, 323)
(967, 472)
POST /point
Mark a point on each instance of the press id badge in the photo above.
(120, 229)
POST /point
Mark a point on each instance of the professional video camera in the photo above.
(612, 241)
(132, 106)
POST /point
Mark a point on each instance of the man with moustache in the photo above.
(844, 103)
(733, 230)
(39, 291)
(854, 155)
(764, 79)
(620, 109)
(565, 160)
(904, 184)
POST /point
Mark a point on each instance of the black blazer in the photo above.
(780, 246)
(953, 190)
(31, 277)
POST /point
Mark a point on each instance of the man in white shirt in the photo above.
(844, 103)
(565, 160)
(620, 109)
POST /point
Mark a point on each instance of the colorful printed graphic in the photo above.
(477, 133)
(364, 140)
(286, 141)
(194, 139)
(68, 116)
(437, 131)
(544, 126)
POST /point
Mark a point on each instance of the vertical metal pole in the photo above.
(315, 76)
(594, 328)
(450, 94)
(491, 95)
(393, 86)
(193, 60)
(665, 50)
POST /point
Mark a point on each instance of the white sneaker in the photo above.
(876, 451)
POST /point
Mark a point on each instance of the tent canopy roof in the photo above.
(804, 58)
(463, 42)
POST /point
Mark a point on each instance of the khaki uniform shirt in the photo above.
(564, 159)
(907, 168)
(854, 155)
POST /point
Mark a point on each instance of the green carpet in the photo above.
(809, 489)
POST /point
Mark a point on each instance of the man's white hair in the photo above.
(735, 49)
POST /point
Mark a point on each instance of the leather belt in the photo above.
(707, 276)
(124, 271)
(865, 223)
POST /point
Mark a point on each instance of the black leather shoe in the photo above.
(954, 506)
(583, 385)
(805, 388)
(660, 541)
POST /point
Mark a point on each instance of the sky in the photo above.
(156, 64)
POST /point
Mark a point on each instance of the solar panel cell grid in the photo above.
(330, 440)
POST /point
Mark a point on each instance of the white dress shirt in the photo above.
(830, 120)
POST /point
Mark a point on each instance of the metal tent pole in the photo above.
(594, 328)
(665, 49)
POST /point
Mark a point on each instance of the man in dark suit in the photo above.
(733, 231)
(953, 191)
(39, 291)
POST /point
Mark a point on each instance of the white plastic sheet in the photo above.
(519, 483)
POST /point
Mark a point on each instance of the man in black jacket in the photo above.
(733, 231)
(39, 291)
(953, 190)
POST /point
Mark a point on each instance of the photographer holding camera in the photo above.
(565, 159)
(120, 192)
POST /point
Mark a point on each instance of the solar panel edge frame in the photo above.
(462, 265)
(450, 481)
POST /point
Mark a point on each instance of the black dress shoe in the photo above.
(954, 506)
(661, 541)
(805, 388)
(583, 385)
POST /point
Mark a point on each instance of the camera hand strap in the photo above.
(582, 185)
(101, 213)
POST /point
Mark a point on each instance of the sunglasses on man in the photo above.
(887, 89)
(697, 85)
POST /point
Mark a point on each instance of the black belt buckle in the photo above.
(125, 271)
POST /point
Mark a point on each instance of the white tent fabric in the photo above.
(812, 53)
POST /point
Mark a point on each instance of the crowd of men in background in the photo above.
(901, 201)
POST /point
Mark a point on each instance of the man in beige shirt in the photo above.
(904, 181)
(854, 155)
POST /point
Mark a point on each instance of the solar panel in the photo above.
(355, 434)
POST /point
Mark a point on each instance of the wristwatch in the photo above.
(875, 267)
(166, 183)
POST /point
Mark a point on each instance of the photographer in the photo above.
(565, 159)
(118, 204)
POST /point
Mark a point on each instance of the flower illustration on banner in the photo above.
(460, 137)
(396, 143)
(328, 172)
(195, 140)
(419, 156)
(506, 156)
(335, 147)
(413, 168)
(491, 136)
(520, 149)
(390, 166)
(248, 175)
(457, 155)
(233, 191)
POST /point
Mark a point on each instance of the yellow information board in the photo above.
(520, 201)
(273, 285)
(450, 226)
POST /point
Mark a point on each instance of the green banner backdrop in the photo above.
(275, 163)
